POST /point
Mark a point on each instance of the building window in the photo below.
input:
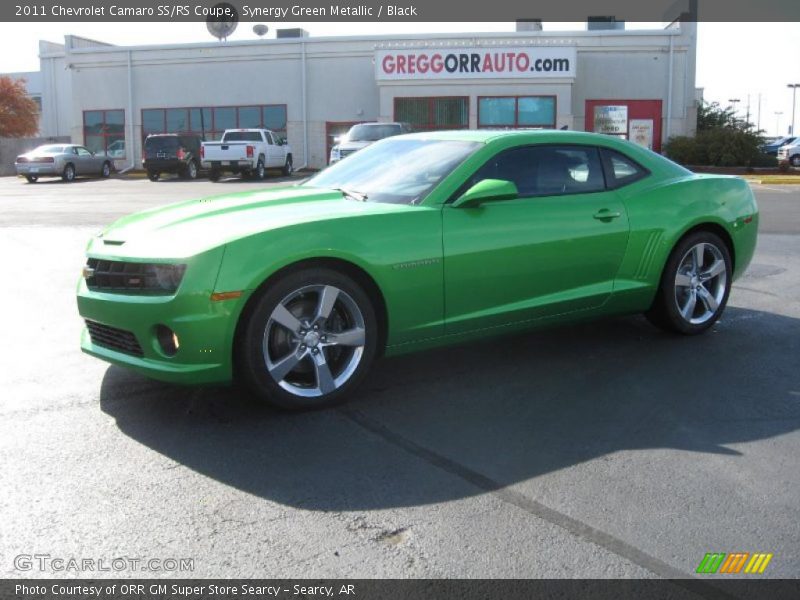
(211, 122)
(104, 132)
(433, 113)
(517, 111)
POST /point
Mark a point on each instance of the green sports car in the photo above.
(416, 241)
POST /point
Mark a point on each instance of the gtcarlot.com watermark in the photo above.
(47, 563)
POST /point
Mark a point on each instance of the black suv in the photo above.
(171, 153)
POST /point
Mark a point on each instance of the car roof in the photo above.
(488, 135)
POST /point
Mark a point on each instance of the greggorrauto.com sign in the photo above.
(475, 63)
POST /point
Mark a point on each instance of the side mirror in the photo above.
(487, 190)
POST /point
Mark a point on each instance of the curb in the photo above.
(777, 181)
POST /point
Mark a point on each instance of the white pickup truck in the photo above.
(249, 152)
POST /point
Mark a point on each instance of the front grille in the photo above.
(113, 338)
(132, 278)
(343, 153)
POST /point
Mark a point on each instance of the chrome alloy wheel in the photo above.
(700, 283)
(314, 340)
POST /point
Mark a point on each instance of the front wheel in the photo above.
(288, 169)
(694, 286)
(106, 170)
(795, 160)
(153, 175)
(32, 178)
(308, 340)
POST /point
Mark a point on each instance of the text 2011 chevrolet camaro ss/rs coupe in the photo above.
(416, 241)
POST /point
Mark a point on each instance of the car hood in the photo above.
(354, 145)
(186, 229)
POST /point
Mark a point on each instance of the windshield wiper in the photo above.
(352, 194)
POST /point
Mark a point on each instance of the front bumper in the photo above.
(204, 328)
(37, 169)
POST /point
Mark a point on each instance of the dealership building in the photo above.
(639, 84)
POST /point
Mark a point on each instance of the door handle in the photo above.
(606, 215)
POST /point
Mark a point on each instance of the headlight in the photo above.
(131, 278)
(335, 154)
(168, 277)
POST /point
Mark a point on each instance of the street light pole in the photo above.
(733, 102)
(794, 87)
(758, 126)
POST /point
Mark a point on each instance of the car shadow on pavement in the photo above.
(507, 410)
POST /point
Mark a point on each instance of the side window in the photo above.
(83, 151)
(546, 170)
(621, 170)
(268, 138)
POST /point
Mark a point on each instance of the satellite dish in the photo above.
(222, 20)
(260, 30)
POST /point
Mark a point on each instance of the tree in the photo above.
(19, 114)
(722, 139)
(711, 116)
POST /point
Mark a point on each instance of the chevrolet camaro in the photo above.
(416, 241)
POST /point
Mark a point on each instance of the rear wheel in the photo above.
(308, 340)
(153, 175)
(68, 174)
(190, 172)
(32, 178)
(106, 170)
(261, 171)
(694, 286)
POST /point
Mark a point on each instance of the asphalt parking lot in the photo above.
(600, 450)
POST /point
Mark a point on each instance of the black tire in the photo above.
(68, 174)
(190, 171)
(213, 175)
(32, 178)
(348, 363)
(666, 311)
(795, 160)
(105, 170)
(288, 168)
(260, 171)
(153, 175)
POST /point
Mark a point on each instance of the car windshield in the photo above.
(396, 170)
(167, 142)
(50, 149)
(371, 133)
(242, 136)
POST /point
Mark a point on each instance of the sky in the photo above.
(734, 60)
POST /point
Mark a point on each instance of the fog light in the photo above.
(167, 339)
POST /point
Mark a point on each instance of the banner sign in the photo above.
(612, 120)
(476, 63)
(641, 132)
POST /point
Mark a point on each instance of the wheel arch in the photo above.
(716, 229)
(355, 272)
